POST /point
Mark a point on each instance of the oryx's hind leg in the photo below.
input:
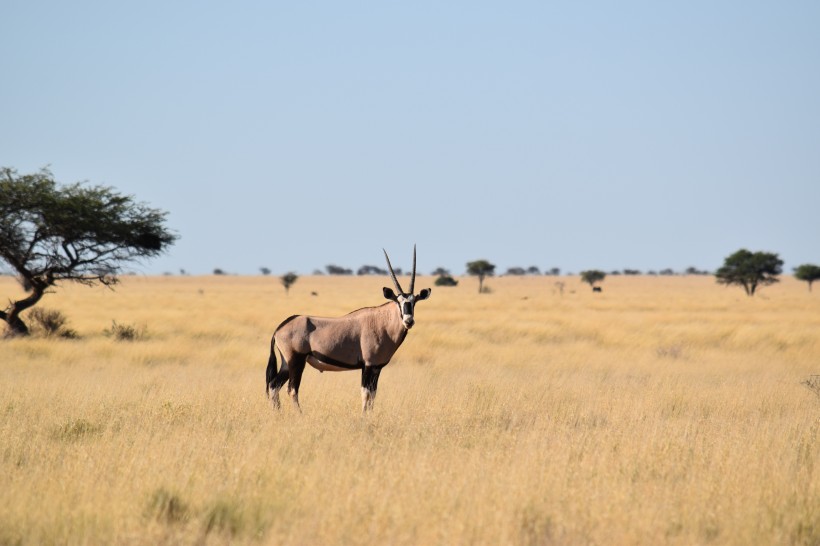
(278, 380)
(275, 380)
(295, 369)
(370, 382)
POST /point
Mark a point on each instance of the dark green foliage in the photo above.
(288, 279)
(445, 280)
(371, 270)
(592, 276)
(51, 233)
(339, 270)
(808, 273)
(480, 269)
(516, 271)
(750, 270)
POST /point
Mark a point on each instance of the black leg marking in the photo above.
(370, 382)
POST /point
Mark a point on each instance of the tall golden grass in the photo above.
(662, 411)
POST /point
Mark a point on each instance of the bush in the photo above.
(126, 332)
(52, 323)
(167, 507)
(446, 280)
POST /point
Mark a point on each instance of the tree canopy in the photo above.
(51, 233)
(480, 269)
(750, 270)
(288, 279)
(592, 276)
(808, 273)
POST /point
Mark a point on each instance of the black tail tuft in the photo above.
(270, 373)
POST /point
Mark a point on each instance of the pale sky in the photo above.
(293, 135)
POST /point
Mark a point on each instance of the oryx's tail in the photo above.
(270, 373)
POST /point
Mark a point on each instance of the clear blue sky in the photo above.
(292, 135)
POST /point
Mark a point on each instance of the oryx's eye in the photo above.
(407, 308)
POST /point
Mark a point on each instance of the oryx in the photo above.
(364, 340)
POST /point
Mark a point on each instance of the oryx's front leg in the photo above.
(370, 382)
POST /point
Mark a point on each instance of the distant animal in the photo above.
(314, 293)
(597, 289)
(364, 340)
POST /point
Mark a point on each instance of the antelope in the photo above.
(364, 340)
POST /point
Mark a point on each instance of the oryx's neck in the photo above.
(389, 317)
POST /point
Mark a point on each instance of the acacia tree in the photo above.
(808, 273)
(592, 277)
(85, 234)
(287, 280)
(480, 269)
(750, 270)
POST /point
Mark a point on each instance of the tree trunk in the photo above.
(16, 326)
(481, 284)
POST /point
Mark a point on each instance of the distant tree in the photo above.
(668, 271)
(265, 271)
(85, 234)
(632, 271)
(516, 271)
(337, 270)
(480, 269)
(318, 272)
(440, 271)
(371, 270)
(592, 277)
(445, 280)
(615, 272)
(287, 280)
(219, 271)
(808, 273)
(750, 270)
(555, 271)
(533, 270)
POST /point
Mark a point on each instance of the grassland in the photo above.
(662, 411)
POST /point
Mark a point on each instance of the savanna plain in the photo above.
(665, 410)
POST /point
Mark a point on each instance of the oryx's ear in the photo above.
(389, 294)
(424, 294)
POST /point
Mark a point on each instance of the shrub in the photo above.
(446, 280)
(52, 323)
(126, 332)
(167, 507)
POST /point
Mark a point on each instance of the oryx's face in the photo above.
(405, 300)
(407, 304)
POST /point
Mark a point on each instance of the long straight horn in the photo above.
(413, 276)
(392, 273)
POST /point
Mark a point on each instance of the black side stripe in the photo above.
(338, 363)
(333, 362)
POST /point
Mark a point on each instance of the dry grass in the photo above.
(663, 411)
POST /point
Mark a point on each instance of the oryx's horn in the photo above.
(413, 276)
(392, 273)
